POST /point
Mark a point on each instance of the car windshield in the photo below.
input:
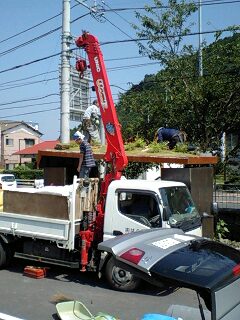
(8, 179)
(179, 205)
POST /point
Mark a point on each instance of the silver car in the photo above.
(172, 258)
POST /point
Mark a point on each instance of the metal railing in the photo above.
(227, 196)
(25, 183)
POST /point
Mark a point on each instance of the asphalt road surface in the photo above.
(35, 299)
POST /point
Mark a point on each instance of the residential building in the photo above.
(15, 136)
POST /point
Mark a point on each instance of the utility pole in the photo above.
(200, 59)
(65, 74)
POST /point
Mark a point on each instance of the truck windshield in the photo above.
(179, 208)
(8, 179)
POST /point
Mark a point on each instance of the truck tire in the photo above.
(120, 279)
(6, 254)
(3, 255)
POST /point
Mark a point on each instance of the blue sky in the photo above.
(17, 16)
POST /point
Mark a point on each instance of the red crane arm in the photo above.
(115, 153)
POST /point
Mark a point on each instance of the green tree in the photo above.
(165, 27)
(204, 107)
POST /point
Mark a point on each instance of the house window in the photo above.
(29, 142)
(9, 142)
(9, 166)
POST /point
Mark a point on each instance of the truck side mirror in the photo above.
(165, 215)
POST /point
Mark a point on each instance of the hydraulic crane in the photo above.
(115, 156)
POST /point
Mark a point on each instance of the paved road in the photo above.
(34, 299)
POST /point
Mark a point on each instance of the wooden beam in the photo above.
(145, 158)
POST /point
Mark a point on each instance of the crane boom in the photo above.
(115, 156)
(115, 152)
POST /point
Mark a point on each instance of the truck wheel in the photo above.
(6, 254)
(120, 279)
(3, 256)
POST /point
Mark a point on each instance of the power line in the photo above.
(30, 99)
(38, 37)
(34, 26)
(26, 78)
(124, 58)
(30, 62)
(29, 83)
(108, 10)
(30, 105)
(132, 66)
(170, 36)
(53, 71)
(30, 28)
(204, 3)
(3, 53)
(23, 114)
(118, 28)
(120, 41)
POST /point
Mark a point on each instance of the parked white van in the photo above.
(7, 181)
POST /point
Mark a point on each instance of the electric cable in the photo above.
(29, 83)
(118, 28)
(171, 36)
(30, 105)
(23, 114)
(119, 41)
(35, 26)
(204, 3)
(30, 99)
(26, 78)
(38, 37)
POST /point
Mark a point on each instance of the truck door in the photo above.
(131, 211)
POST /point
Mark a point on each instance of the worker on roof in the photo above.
(91, 123)
(173, 136)
(86, 160)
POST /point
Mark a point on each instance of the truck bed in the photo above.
(34, 227)
(52, 213)
(36, 213)
(37, 204)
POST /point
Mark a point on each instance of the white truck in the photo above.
(64, 225)
(45, 224)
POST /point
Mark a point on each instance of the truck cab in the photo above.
(132, 205)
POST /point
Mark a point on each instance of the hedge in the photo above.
(30, 174)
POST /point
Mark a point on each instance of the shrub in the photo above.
(26, 174)
(139, 143)
(156, 147)
(181, 147)
(221, 230)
